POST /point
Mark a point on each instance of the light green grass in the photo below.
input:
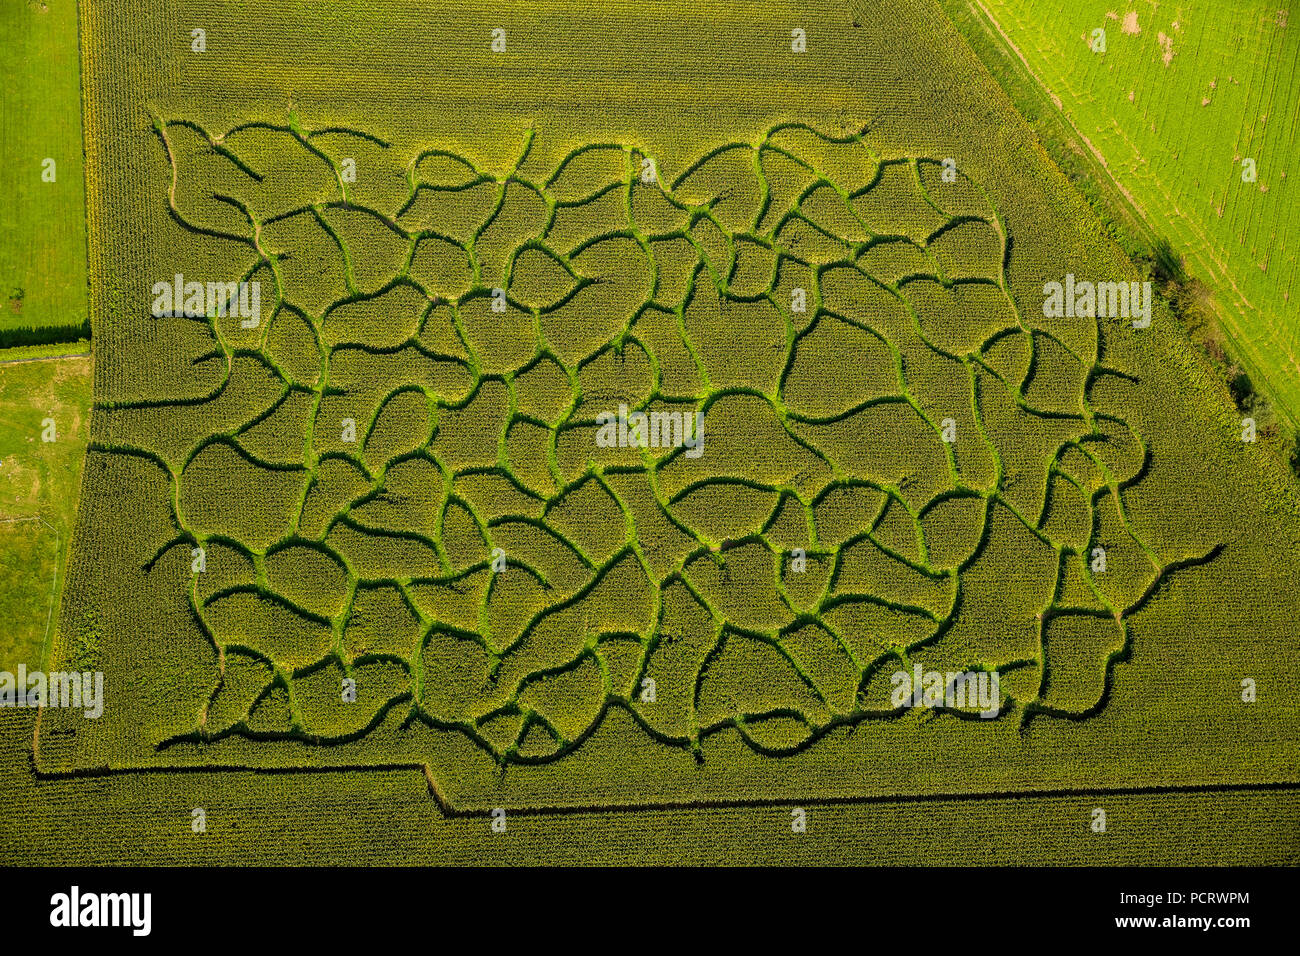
(42, 228)
(26, 353)
(29, 553)
(1181, 96)
(39, 489)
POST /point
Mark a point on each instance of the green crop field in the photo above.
(591, 416)
(340, 818)
(1191, 109)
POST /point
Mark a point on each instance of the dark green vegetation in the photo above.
(824, 430)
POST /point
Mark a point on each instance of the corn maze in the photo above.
(601, 428)
(395, 480)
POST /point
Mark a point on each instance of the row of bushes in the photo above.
(1188, 298)
(44, 334)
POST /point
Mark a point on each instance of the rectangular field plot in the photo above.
(606, 413)
(42, 232)
(44, 426)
